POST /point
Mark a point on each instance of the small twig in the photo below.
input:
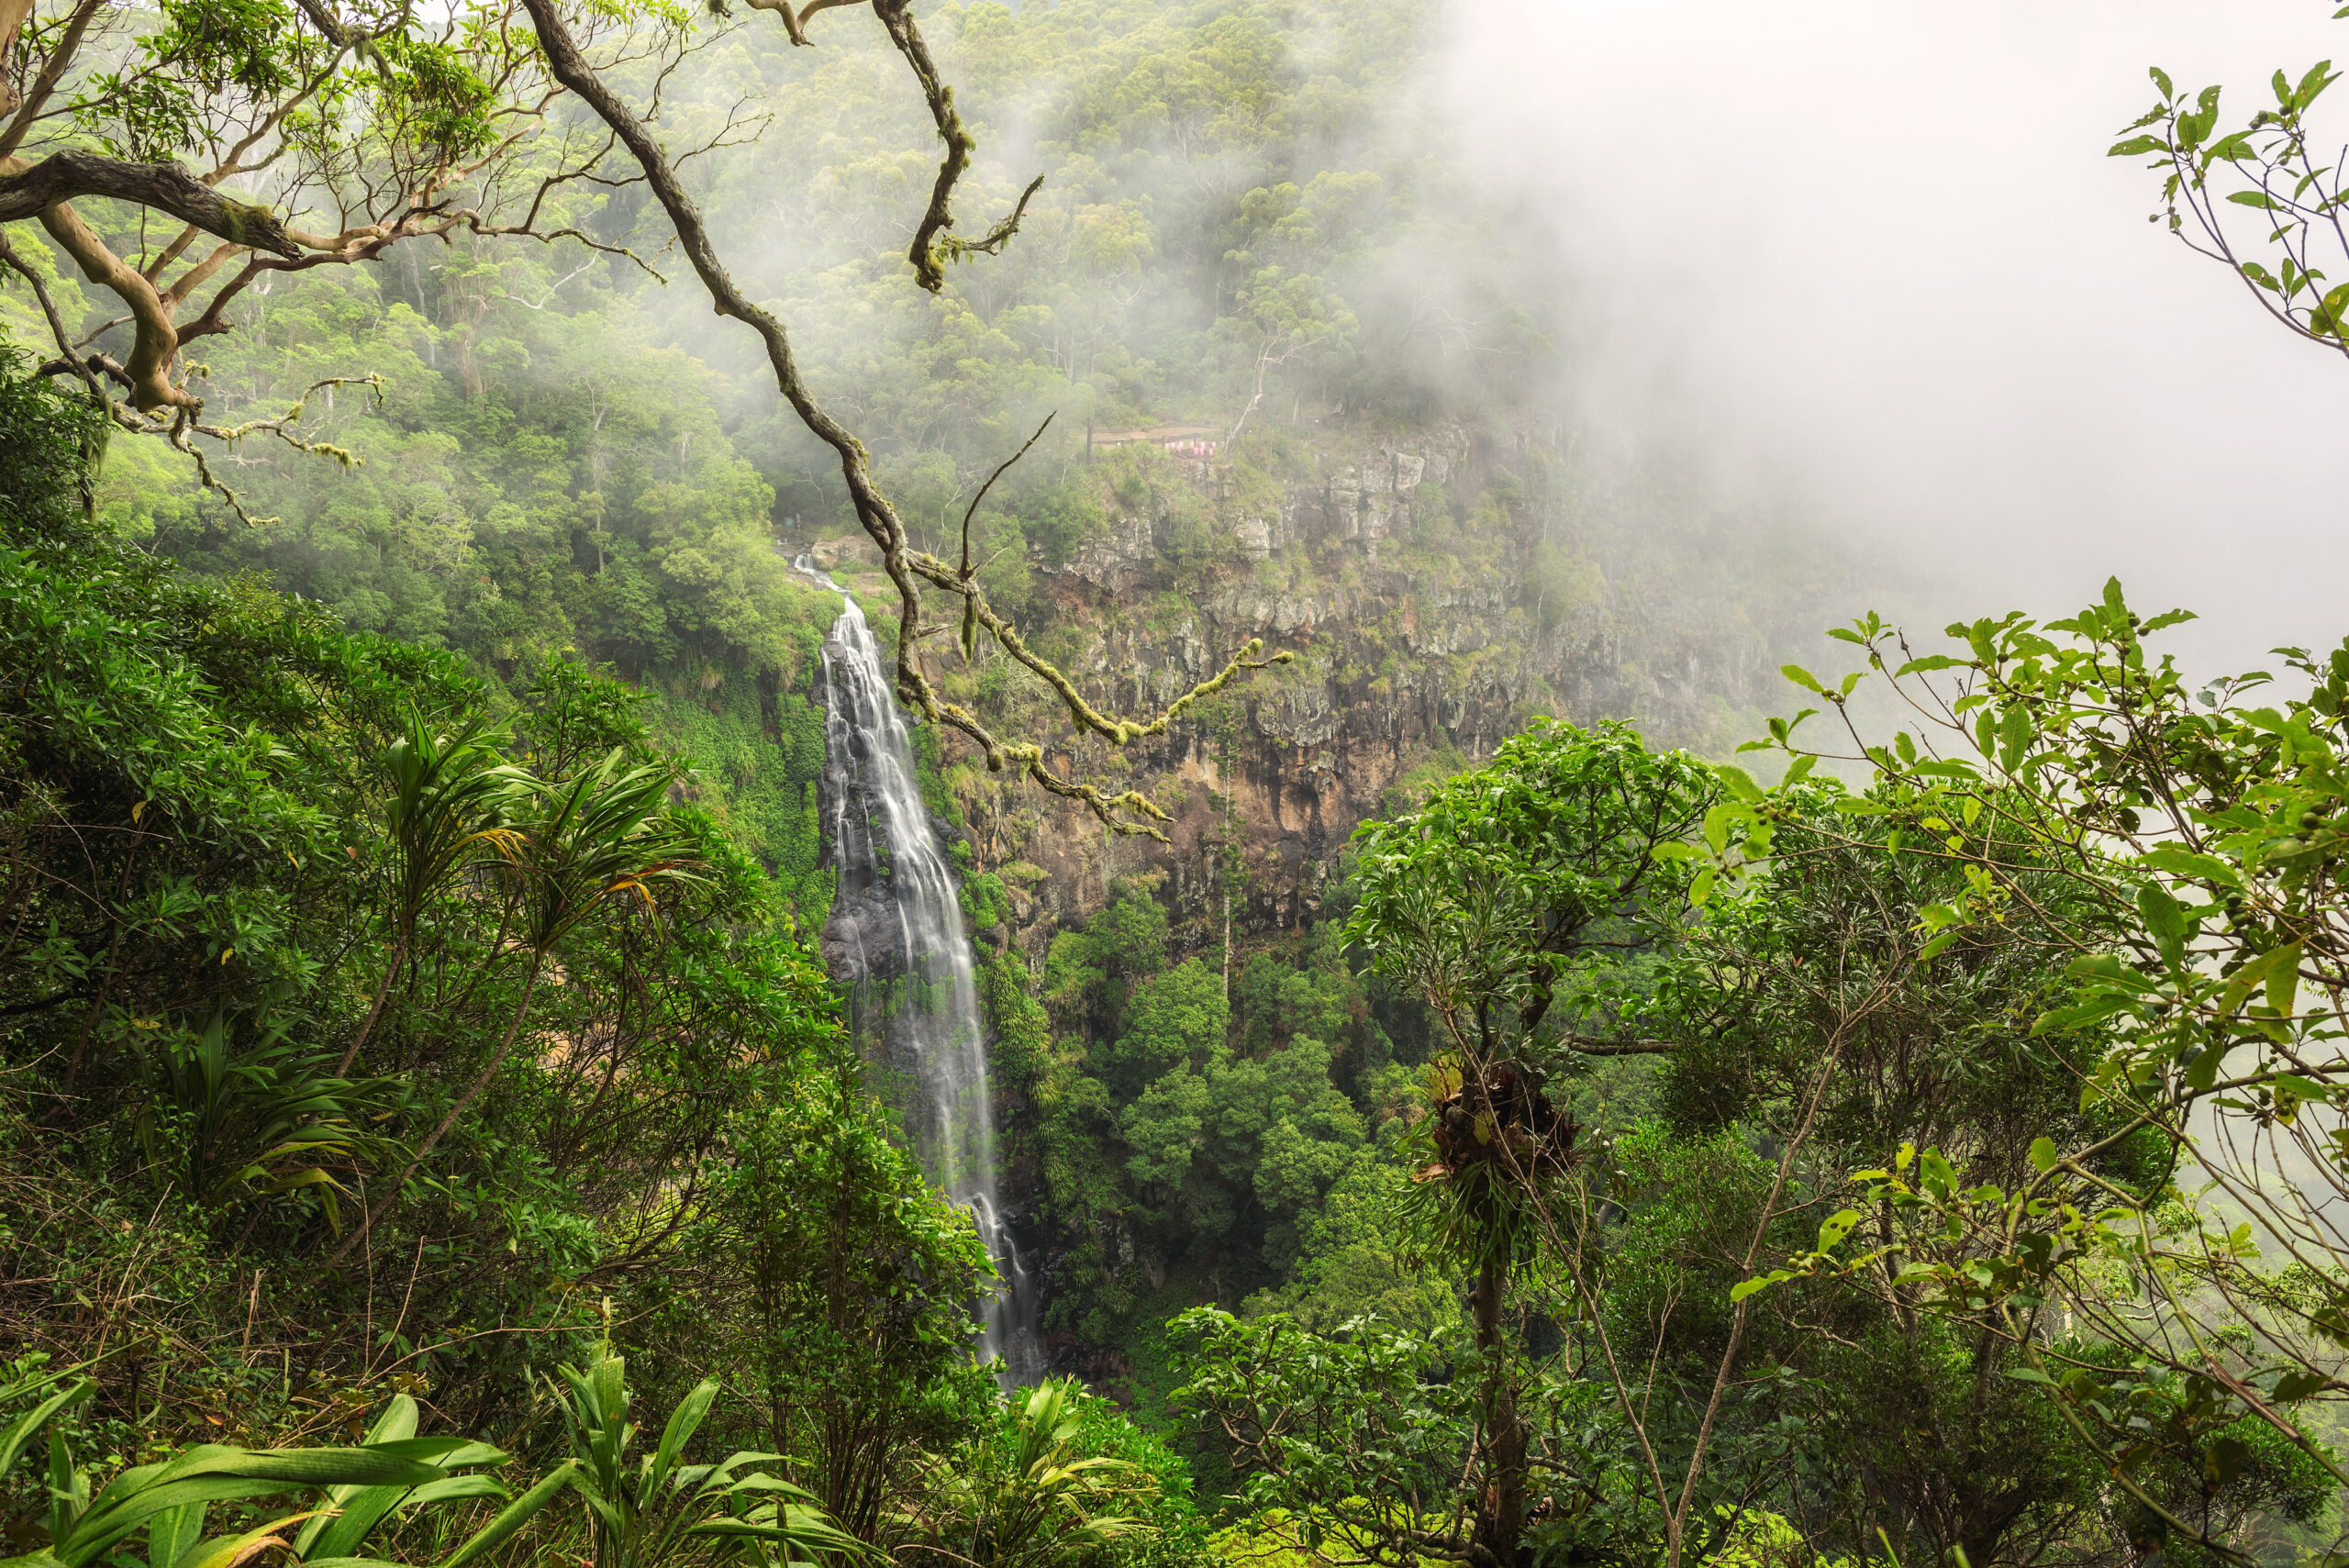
(972, 510)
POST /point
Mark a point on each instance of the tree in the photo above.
(1282, 315)
(369, 121)
(2193, 834)
(1175, 1018)
(242, 843)
(1811, 1020)
(850, 1292)
(909, 569)
(1514, 902)
(572, 850)
(1352, 1441)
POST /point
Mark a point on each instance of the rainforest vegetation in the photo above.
(435, 1126)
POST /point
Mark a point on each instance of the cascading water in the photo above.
(897, 925)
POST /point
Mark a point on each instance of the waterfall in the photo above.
(897, 926)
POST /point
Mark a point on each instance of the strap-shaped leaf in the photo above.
(212, 1472)
(397, 1421)
(683, 1422)
(171, 1533)
(517, 1514)
(453, 1489)
(363, 1509)
(473, 1453)
(13, 1441)
(233, 1551)
(808, 1528)
(100, 1528)
(762, 1482)
(383, 1467)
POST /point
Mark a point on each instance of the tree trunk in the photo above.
(14, 14)
(375, 1010)
(473, 1092)
(1500, 1511)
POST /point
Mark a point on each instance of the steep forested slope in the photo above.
(1596, 1157)
(1251, 241)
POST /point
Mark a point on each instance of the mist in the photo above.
(1877, 255)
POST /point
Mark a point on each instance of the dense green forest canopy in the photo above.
(432, 1134)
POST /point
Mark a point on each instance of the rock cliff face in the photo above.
(1437, 591)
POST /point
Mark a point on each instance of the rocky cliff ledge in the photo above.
(1439, 590)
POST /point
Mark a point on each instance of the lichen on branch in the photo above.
(1127, 811)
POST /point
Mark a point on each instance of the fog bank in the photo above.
(1877, 253)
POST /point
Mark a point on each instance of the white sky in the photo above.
(1874, 246)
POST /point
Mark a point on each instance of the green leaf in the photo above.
(101, 1528)
(1739, 781)
(311, 1467)
(517, 1514)
(2234, 148)
(13, 1441)
(2015, 735)
(2319, 77)
(689, 1414)
(171, 1534)
(2284, 979)
(2202, 1070)
(2186, 863)
(2298, 1385)
(2044, 1156)
(224, 1551)
(363, 1509)
(2162, 914)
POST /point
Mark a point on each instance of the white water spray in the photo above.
(897, 918)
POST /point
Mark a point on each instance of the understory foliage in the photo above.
(380, 1050)
(426, 1129)
(1783, 1294)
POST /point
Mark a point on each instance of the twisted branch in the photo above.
(27, 192)
(933, 244)
(1128, 812)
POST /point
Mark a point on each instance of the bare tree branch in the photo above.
(1128, 812)
(928, 252)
